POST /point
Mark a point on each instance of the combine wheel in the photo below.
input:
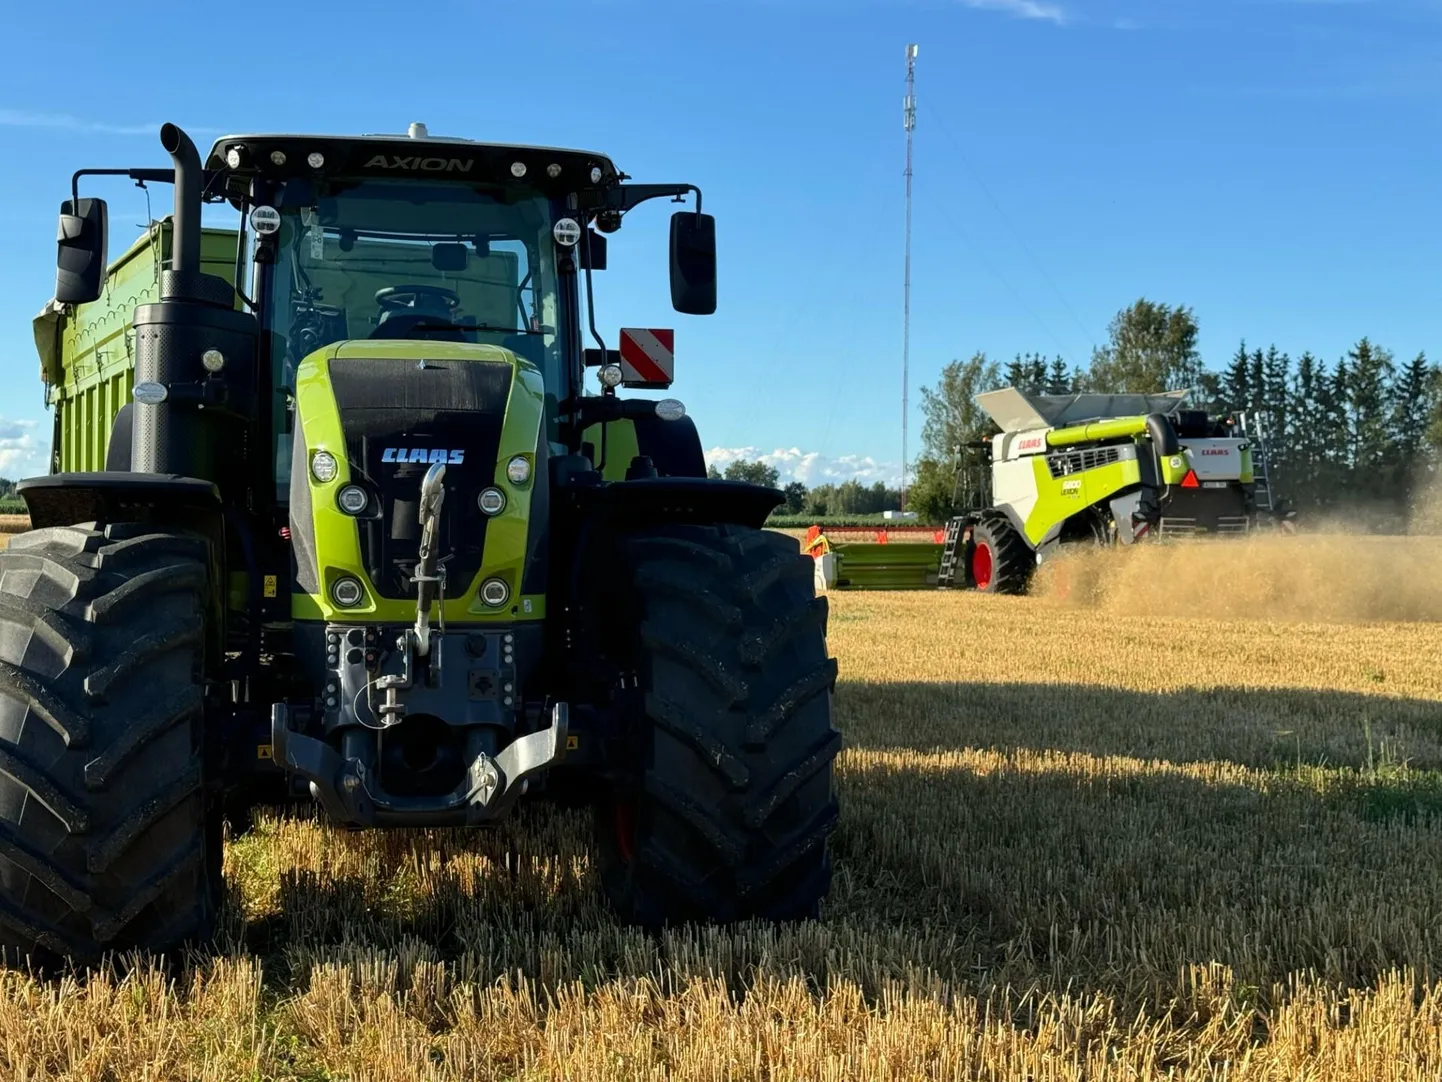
(108, 838)
(728, 806)
(1000, 561)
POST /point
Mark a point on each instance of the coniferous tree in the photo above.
(1306, 451)
(1276, 370)
(1237, 380)
(1411, 408)
(1368, 415)
(1058, 379)
(1334, 463)
(1275, 404)
(1412, 403)
(1256, 381)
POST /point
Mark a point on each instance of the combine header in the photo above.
(1092, 469)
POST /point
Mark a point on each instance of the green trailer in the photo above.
(87, 359)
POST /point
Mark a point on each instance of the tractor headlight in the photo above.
(492, 501)
(323, 467)
(353, 499)
(518, 470)
(347, 593)
(610, 375)
(495, 592)
(670, 409)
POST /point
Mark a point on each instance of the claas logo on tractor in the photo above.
(452, 457)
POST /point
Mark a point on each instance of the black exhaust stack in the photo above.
(186, 419)
(185, 224)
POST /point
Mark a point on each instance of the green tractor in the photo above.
(332, 517)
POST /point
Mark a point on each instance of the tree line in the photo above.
(823, 501)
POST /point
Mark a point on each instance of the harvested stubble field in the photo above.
(1079, 840)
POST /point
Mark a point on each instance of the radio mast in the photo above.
(909, 121)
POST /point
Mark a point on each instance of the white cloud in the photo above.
(811, 468)
(22, 453)
(1023, 9)
(27, 118)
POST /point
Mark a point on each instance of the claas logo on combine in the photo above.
(423, 455)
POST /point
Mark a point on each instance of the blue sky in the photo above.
(1272, 163)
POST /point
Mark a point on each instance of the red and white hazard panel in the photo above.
(648, 357)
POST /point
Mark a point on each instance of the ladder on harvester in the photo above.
(1254, 428)
(950, 553)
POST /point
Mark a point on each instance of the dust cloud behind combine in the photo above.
(1330, 578)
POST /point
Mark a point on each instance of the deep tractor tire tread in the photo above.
(733, 802)
(1012, 561)
(109, 838)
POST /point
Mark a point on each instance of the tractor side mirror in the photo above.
(593, 251)
(80, 260)
(693, 263)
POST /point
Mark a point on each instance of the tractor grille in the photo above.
(393, 414)
(1069, 462)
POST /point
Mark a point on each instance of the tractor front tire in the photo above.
(729, 804)
(109, 838)
(999, 561)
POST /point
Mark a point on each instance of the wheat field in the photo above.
(1079, 840)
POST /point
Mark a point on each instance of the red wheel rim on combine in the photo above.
(981, 565)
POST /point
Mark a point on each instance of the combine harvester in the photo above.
(1091, 469)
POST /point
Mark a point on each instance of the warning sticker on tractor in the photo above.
(572, 743)
(648, 357)
(270, 585)
(264, 751)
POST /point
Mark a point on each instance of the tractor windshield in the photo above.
(413, 259)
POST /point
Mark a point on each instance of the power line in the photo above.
(1016, 233)
(981, 255)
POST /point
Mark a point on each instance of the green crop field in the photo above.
(1080, 839)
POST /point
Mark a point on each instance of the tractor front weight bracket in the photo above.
(351, 793)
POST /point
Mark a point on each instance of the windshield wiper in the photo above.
(446, 325)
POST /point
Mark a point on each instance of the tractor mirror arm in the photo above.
(140, 176)
(626, 196)
(598, 409)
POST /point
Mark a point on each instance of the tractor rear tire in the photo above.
(729, 804)
(109, 837)
(999, 561)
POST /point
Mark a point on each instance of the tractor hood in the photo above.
(385, 412)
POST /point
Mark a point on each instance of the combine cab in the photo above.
(1065, 469)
